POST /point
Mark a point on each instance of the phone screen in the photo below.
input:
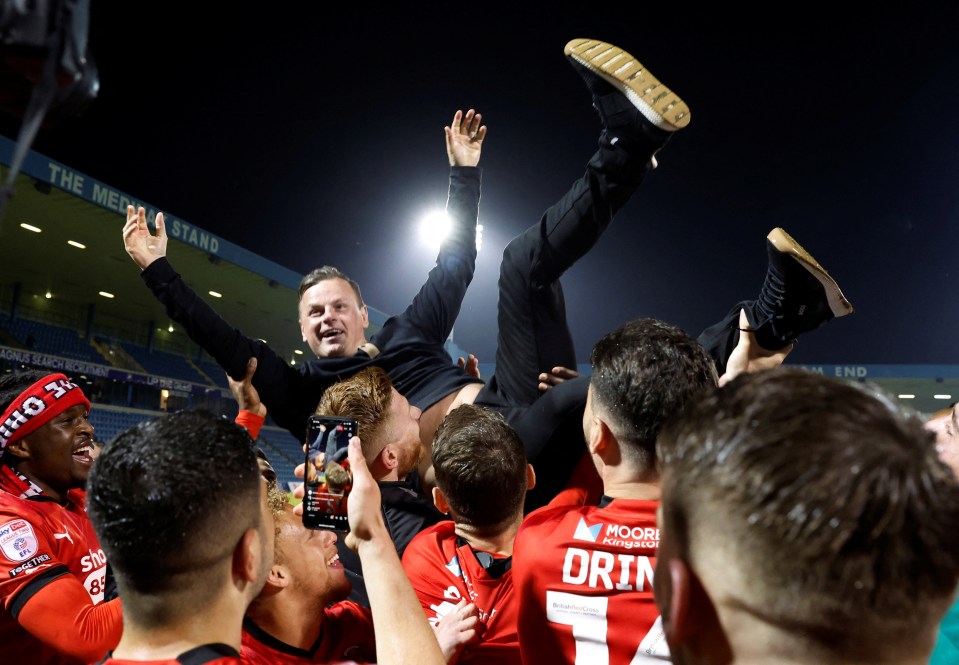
(328, 478)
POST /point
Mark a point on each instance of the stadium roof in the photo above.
(257, 295)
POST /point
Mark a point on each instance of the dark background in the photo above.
(312, 133)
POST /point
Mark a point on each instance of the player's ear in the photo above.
(388, 457)
(689, 612)
(279, 577)
(246, 557)
(675, 609)
(439, 500)
(20, 448)
(530, 477)
(600, 436)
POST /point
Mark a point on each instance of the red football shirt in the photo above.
(584, 580)
(41, 541)
(347, 636)
(443, 571)
(208, 654)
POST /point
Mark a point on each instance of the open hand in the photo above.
(142, 246)
(464, 138)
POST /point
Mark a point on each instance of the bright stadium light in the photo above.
(215, 294)
(436, 225)
(31, 227)
(78, 245)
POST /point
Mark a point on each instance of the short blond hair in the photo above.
(366, 397)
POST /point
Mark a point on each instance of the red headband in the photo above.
(38, 405)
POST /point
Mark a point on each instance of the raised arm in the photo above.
(434, 309)
(403, 635)
(290, 395)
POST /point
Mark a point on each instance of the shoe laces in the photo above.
(772, 295)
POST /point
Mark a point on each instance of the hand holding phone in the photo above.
(328, 479)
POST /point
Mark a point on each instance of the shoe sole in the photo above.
(658, 104)
(785, 244)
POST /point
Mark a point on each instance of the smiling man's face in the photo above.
(59, 454)
(311, 557)
(332, 321)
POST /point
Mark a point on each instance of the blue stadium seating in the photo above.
(161, 363)
(283, 451)
(214, 372)
(110, 420)
(55, 340)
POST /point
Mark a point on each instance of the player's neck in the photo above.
(291, 619)
(496, 541)
(149, 640)
(632, 489)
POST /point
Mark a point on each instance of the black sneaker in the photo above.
(624, 93)
(798, 295)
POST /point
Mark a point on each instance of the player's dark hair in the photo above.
(11, 385)
(829, 494)
(171, 497)
(324, 273)
(643, 373)
(480, 466)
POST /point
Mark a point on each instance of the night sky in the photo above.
(314, 136)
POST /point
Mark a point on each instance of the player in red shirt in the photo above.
(182, 510)
(292, 621)
(208, 654)
(584, 573)
(300, 616)
(481, 482)
(52, 570)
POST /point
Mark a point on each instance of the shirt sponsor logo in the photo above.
(586, 531)
(10, 527)
(93, 560)
(18, 542)
(629, 537)
(30, 566)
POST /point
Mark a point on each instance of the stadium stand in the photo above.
(212, 372)
(110, 420)
(70, 301)
(284, 453)
(165, 364)
(46, 338)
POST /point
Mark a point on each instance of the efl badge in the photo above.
(17, 540)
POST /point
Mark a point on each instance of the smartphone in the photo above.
(328, 479)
